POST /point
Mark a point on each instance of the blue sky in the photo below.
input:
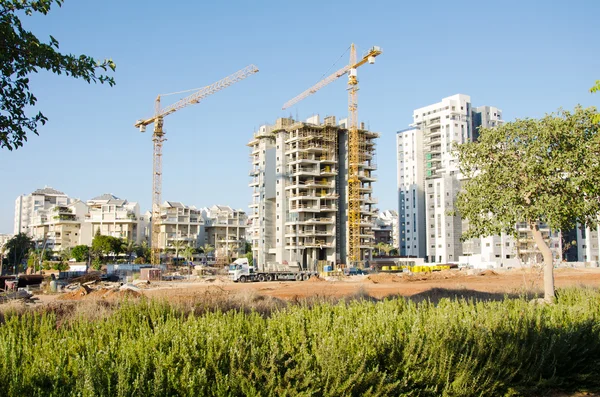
(526, 57)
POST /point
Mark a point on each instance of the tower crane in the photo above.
(159, 136)
(353, 142)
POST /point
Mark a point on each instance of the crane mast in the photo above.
(353, 163)
(354, 143)
(158, 137)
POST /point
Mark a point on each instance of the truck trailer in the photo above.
(241, 271)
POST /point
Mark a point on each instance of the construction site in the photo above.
(300, 197)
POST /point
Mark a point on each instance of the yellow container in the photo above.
(395, 268)
(385, 268)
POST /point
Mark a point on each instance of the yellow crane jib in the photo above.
(158, 137)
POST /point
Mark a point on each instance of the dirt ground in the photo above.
(384, 285)
(492, 284)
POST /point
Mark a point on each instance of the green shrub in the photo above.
(355, 348)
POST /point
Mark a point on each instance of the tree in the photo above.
(387, 248)
(143, 251)
(188, 253)
(206, 249)
(3, 251)
(543, 171)
(103, 246)
(128, 247)
(594, 89)
(22, 54)
(250, 258)
(80, 253)
(18, 247)
(178, 244)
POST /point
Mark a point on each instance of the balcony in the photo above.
(328, 171)
(299, 171)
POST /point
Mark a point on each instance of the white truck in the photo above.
(241, 271)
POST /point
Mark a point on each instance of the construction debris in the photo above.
(20, 294)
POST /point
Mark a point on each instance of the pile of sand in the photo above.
(383, 278)
(315, 279)
(78, 294)
(85, 292)
(488, 273)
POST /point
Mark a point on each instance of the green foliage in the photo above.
(80, 253)
(532, 171)
(22, 54)
(250, 258)
(594, 89)
(97, 264)
(18, 247)
(394, 347)
(247, 247)
(60, 266)
(106, 245)
(142, 251)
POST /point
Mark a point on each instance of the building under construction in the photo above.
(299, 210)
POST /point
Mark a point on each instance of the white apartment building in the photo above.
(429, 181)
(226, 230)
(411, 193)
(33, 208)
(428, 177)
(180, 226)
(299, 208)
(51, 219)
(115, 217)
(385, 228)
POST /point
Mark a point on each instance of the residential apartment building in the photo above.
(112, 216)
(385, 228)
(51, 218)
(428, 177)
(226, 231)
(179, 226)
(300, 200)
(429, 181)
(34, 207)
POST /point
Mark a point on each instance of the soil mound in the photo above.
(488, 273)
(85, 292)
(78, 294)
(315, 279)
(383, 278)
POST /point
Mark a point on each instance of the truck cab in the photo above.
(241, 271)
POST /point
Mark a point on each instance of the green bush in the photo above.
(355, 348)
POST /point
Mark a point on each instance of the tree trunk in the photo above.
(549, 294)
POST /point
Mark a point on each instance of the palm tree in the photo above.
(206, 249)
(387, 248)
(379, 247)
(178, 244)
(188, 253)
(129, 247)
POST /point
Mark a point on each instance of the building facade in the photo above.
(300, 199)
(179, 226)
(429, 179)
(112, 216)
(226, 230)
